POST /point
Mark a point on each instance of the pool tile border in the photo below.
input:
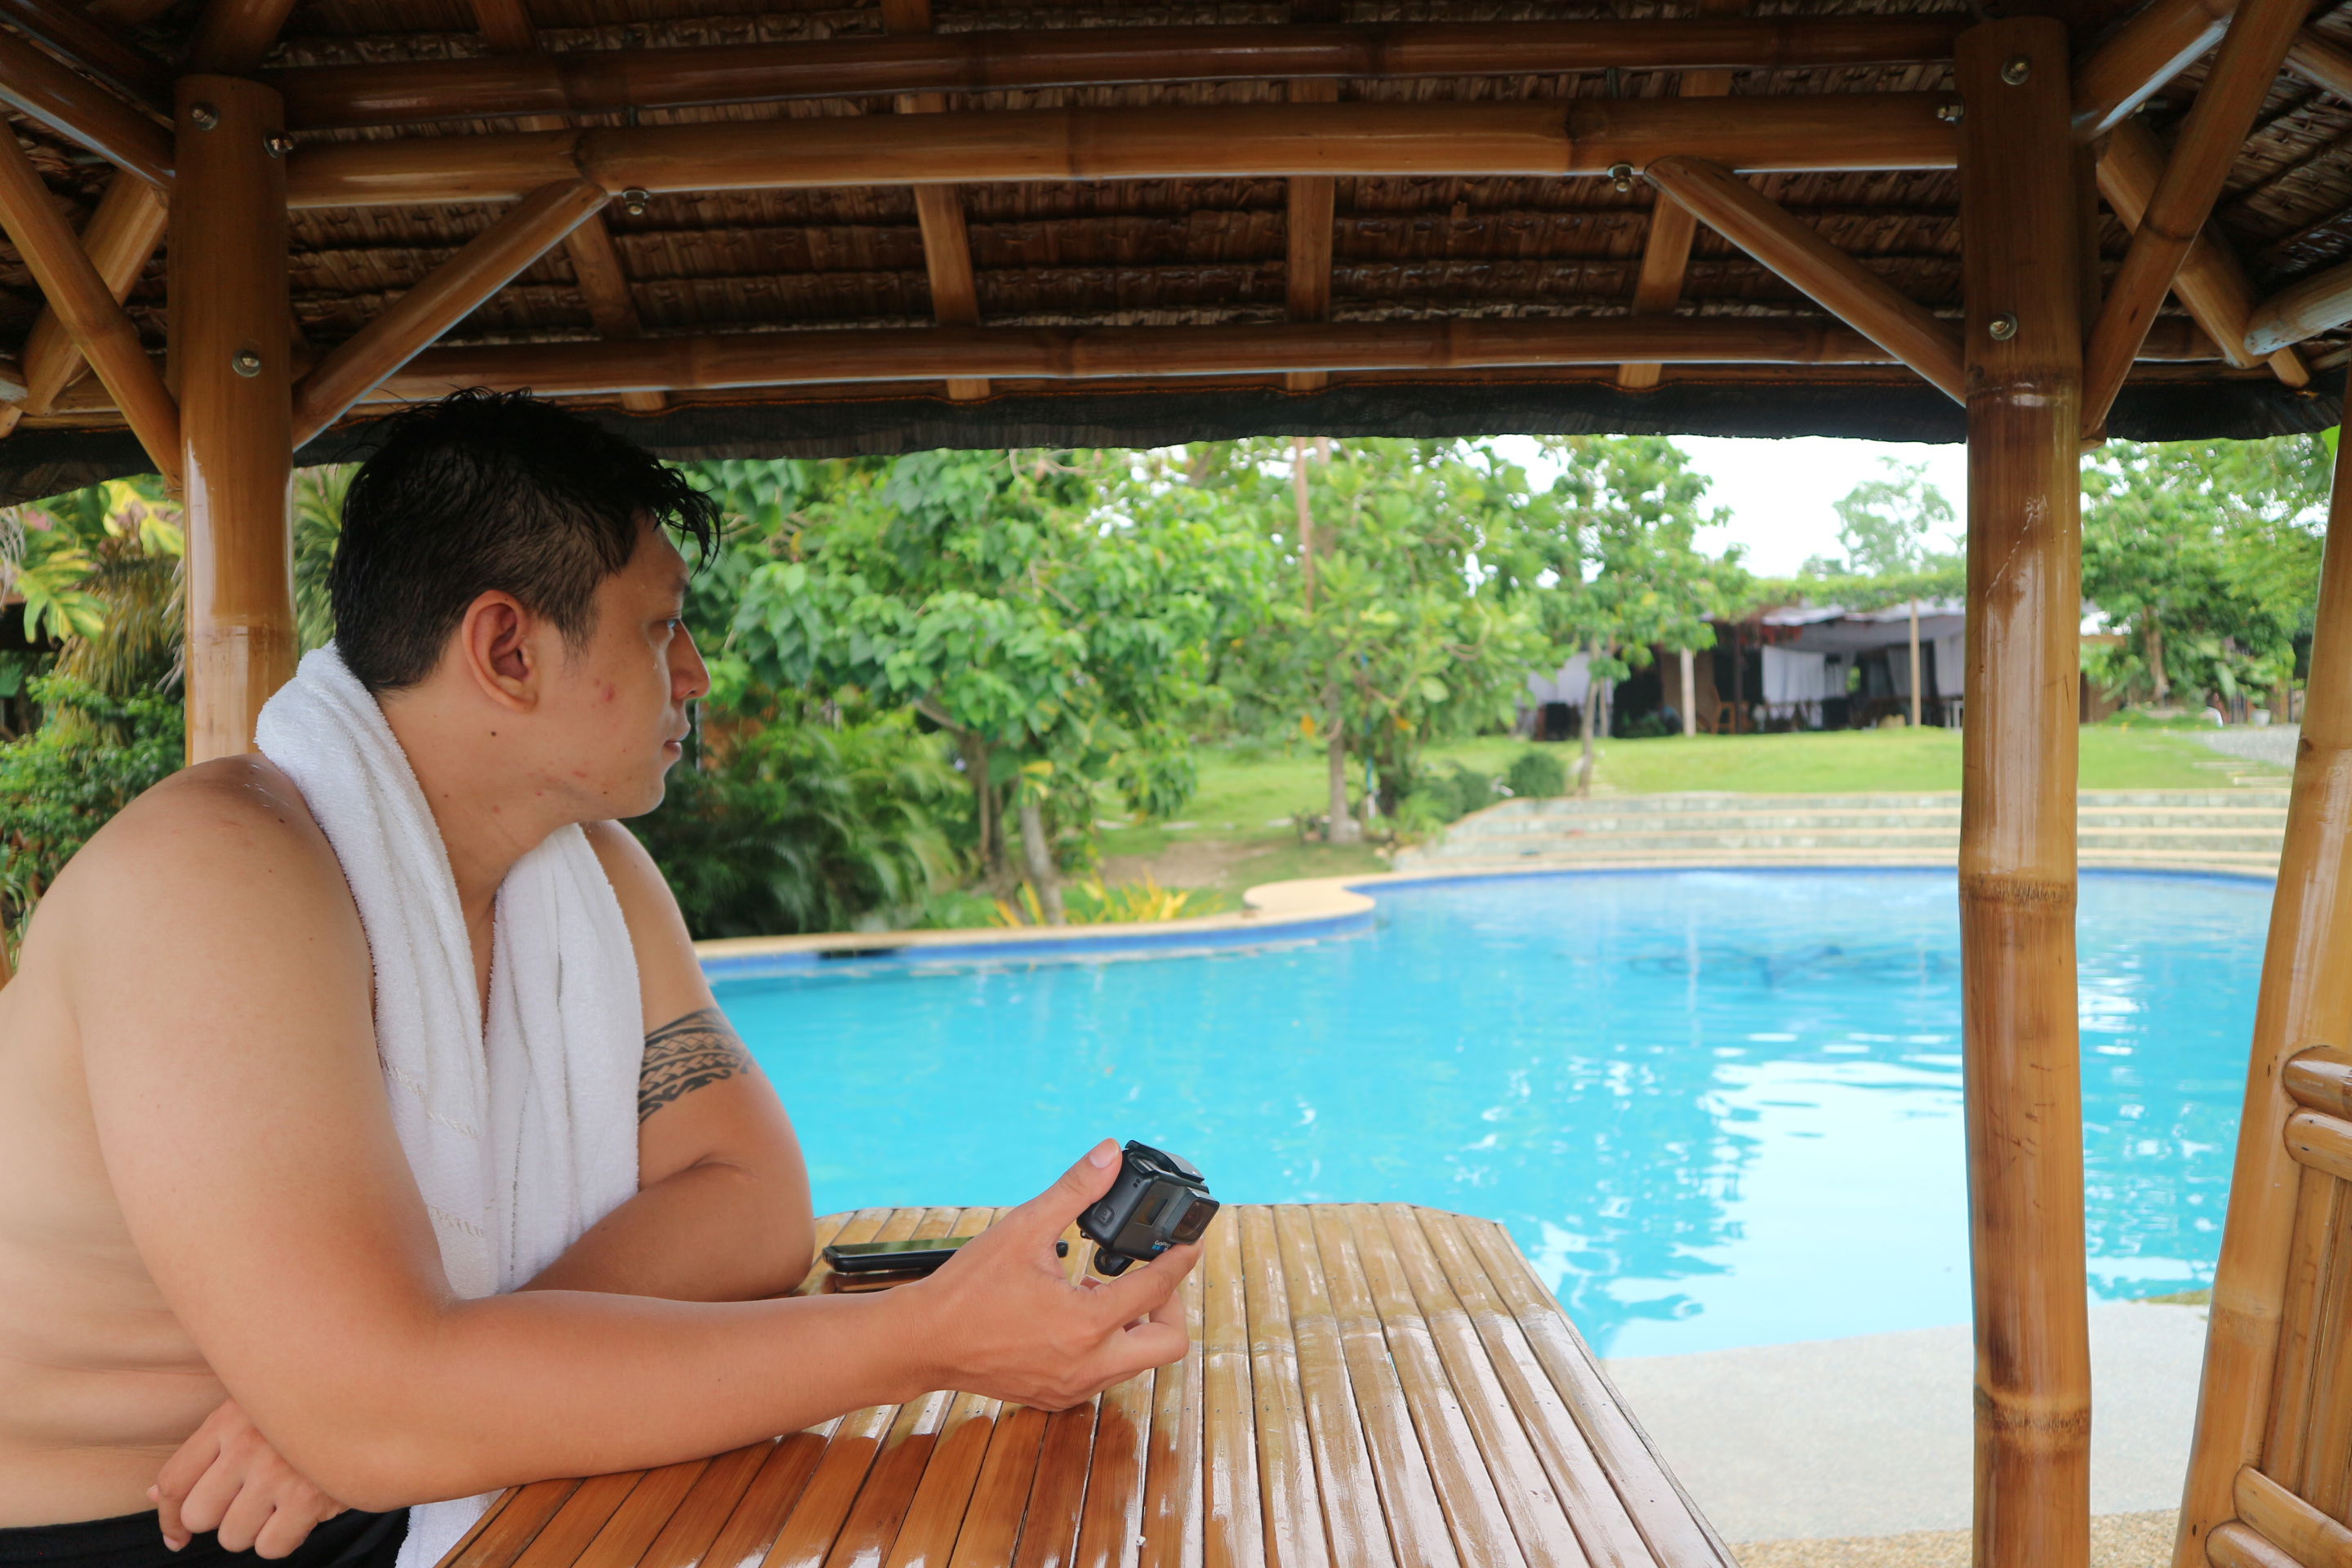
(1305, 910)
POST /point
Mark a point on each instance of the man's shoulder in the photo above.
(233, 834)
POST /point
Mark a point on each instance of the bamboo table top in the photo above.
(1368, 1384)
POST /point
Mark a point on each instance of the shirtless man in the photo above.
(211, 1244)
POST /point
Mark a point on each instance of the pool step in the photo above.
(2234, 829)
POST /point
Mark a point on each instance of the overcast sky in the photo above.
(1781, 493)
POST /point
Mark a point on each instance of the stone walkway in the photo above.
(1872, 1436)
(2271, 743)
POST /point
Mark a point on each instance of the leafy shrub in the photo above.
(92, 757)
(1537, 774)
(1091, 903)
(803, 828)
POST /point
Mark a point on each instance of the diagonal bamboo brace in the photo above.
(1837, 283)
(2250, 55)
(88, 307)
(451, 292)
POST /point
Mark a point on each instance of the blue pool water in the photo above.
(1717, 1109)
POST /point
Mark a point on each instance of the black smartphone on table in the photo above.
(892, 1257)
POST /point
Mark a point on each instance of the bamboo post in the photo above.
(87, 308)
(2017, 810)
(1839, 284)
(1310, 216)
(231, 325)
(938, 212)
(1665, 249)
(444, 297)
(2302, 1004)
(2250, 55)
(1690, 692)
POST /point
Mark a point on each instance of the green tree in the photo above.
(2205, 554)
(1015, 602)
(1889, 528)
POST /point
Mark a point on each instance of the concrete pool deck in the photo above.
(1872, 1436)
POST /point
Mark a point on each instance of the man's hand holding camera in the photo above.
(1002, 1318)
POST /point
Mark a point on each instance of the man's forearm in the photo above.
(516, 1388)
(713, 1232)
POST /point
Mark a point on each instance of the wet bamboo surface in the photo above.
(1369, 1385)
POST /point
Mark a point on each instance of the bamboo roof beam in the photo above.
(730, 361)
(2322, 62)
(2303, 309)
(80, 110)
(610, 81)
(2211, 284)
(119, 239)
(236, 34)
(2250, 55)
(83, 41)
(2299, 1004)
(444, 297)
(1826, 275)
(1665, 247)
(938, 212)
(596, 270)
(2155, 43)
(1839, 130)
(1310, 215)
(89, 309)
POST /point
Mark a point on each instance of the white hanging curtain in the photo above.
(1566, 684)
(1793, 676)
(1952, 664)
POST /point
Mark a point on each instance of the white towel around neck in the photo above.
(520, 1136)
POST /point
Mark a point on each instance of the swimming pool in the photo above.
(1716, 1107)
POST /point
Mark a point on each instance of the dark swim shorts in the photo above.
(350, 1539)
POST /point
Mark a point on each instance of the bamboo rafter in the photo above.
(79, 39)
(1866, 130)
(1666, 249)
(603, 82)
(1310, 213)
(2250, 55)
(80, 110)
(1832, 279)
(89, 309)
(938, 212)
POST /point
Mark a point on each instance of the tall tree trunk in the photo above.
(2156, 661)
(1584, 724)
(1915, 694)
(1038, 851)
(1690, 692)
(977, 760)
(1343, 827)
(1305, 514)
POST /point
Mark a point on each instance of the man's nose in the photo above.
(689, 677)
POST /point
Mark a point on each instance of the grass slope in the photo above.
(1237, 832)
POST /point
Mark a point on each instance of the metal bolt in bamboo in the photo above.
(89, 309)
(2249, 60)
(2017, 806)
(444, 297)
(79, 109)
(605, 82)
(2300, 1006)
(1831, 130)
(231, 321)
(2211, 284)
(1831, 279)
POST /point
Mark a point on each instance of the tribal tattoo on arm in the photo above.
(687, 1054)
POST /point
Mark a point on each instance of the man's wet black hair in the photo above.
(485, 491)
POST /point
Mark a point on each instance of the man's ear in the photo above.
(499, 650)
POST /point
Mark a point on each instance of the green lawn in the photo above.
(1238, 832)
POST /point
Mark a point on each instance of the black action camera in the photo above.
(1159, 1201)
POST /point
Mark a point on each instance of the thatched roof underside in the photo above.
(1205, 251)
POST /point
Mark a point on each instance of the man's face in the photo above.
(617, 705)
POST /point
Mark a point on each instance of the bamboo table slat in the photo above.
(1368, 1386)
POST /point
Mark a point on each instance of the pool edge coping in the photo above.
(1302, 909)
